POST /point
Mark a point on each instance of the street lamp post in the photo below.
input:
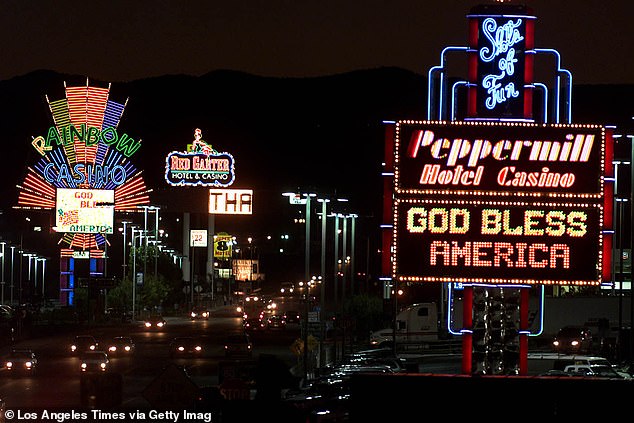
(43, 260)
(125, 259)
(2, 281)
(36, 261)
(12, 255)
(322, 294)
(250, 263)
(133, 276)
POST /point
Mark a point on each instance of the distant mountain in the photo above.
(323, 133)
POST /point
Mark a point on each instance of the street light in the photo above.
(156, 211)
(125, 259)
(43, 260)
(2, 281)
(12, 255)
(304, 198)
(134, 281)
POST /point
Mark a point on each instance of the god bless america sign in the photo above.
(499, 203)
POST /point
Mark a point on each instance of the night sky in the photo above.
(120, 40)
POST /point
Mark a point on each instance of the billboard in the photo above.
(198, 238)
(200, 165)
(84, 211)
(231, 201)
(223, 246)
(498, 202)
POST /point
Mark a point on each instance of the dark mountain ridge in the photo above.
(322, 133)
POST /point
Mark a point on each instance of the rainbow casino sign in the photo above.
(500, 202)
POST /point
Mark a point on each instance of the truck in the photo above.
(416, 325)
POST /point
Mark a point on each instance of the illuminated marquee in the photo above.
(201, 165)
(499, 242)
(84, 211)
(223, 246)
(198, 238)
(500, 157)
(231, 201)
(500, 202)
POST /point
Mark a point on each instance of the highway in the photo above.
(57, 383)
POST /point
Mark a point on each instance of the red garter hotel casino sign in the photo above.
(499, 202)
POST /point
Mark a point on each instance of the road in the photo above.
(57, 382)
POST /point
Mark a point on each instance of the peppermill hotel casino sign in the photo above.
(500, 202)
(497, 198)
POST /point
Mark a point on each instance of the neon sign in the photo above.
(82, 173)
(501, 53)
(89, 135)
(84, 153)
(202, 166)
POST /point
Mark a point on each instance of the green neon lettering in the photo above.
(92, 137)
(52, 135)
(109, 136)
(127, 145)
(81, 135)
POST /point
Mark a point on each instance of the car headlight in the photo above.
(181, 349)
(198, 348)
(9, 364)
(92, 348)
(83, 365)
(556, 343)
(28, 364)
(102, 365)
(127, 348)
(205, 314)
(193, 314)
(112, 349)
(160, 324)
(73, 347)
(574, 343)
(148, 324)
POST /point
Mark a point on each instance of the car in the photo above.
(185, 346)
(572, 340)
(120, 346)
(154, 323)
(238, 346)
(276, 321)
(83, 343)
(588, 370)
(199, 314)
(22, 361)
(93, 362)
(291, 316)
(253, 324)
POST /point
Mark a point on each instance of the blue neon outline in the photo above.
(545, 88)
(430, 80)
(560, 70)
(541, 306)
(453, 97)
